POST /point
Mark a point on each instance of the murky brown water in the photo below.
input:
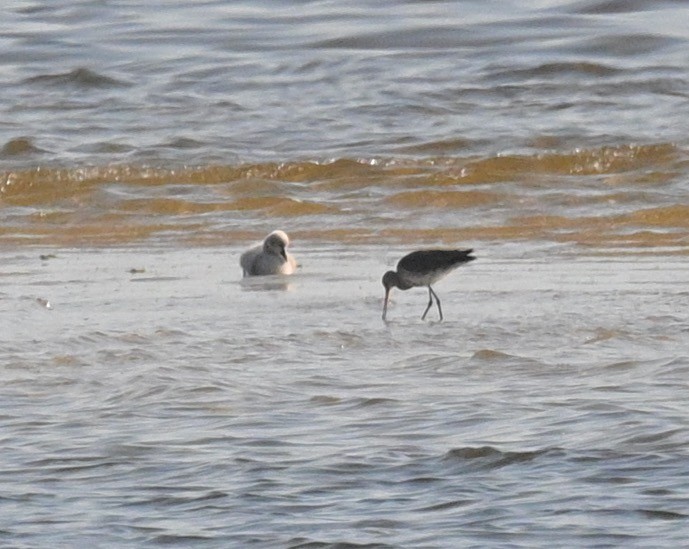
(150, 396)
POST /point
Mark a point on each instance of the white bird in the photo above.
(269, 258)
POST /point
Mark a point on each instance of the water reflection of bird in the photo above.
(423, 268)
(269, 258)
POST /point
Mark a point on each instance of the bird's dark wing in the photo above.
(424, 261)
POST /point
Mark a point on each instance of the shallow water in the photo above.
(177, 404)
(150, 396)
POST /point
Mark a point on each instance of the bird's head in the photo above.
(390, 280)
(275, 243)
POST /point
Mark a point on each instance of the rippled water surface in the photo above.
(150, 396)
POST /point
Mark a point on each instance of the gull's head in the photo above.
(275, 243)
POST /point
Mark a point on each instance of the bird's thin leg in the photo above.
(437, 300)
(430, 302)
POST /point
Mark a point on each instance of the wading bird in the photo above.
(423, 268)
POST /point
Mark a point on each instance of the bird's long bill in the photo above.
(385, 302)
(283, 253)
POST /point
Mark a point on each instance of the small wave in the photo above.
(362, 402)
(676, 215)
(489, 355)
(653, 439)
(603, 160)
(81, 78)
(19, 146)
(184, 143)
(451, 199)
(447, 505)
(412, 37)
(181, 540)
(374, 401)
(485, 358)
(611, 6)
(488, 457)
(663, 515)
(605, 334)
(550, 70)
(281, 206)
(629, 44)
(307, 543)
(446, 146)
(378, 524)
(325, 400)
(431, 362)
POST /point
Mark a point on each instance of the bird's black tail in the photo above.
(464, 256)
